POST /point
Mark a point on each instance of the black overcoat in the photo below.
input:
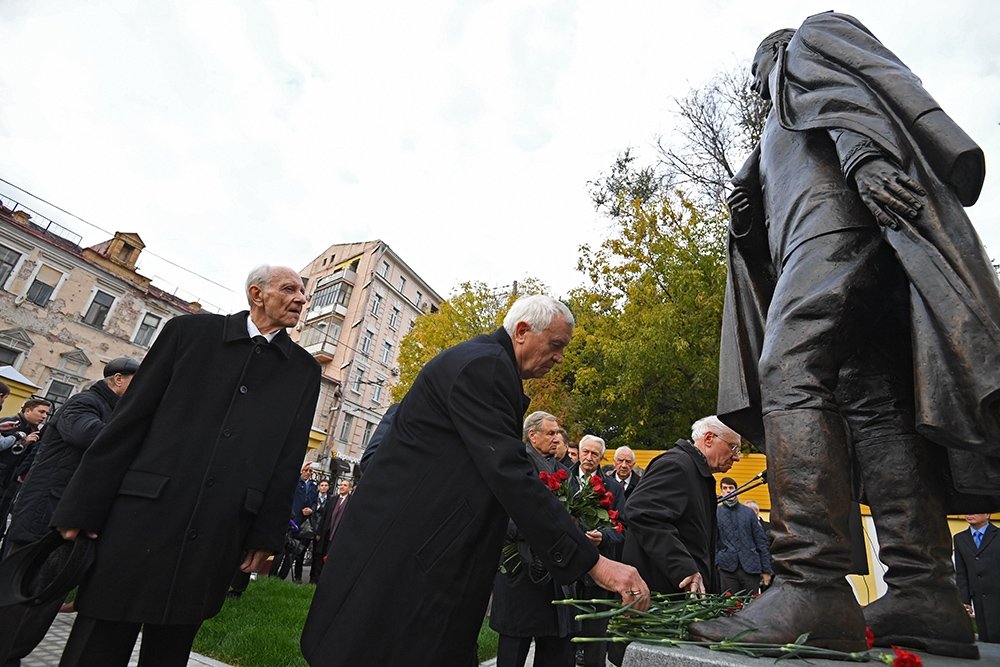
(978, 579)
(670, 520)
(409, 574)
(198, 464)
(66, 436)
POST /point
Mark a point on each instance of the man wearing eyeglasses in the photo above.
(671, 515)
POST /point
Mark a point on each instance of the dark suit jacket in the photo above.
(977, 573)
(611, 540)
(410, 576)
(197, 465)
(670, 520)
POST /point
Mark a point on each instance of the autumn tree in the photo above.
(474, 308)
(643, 363)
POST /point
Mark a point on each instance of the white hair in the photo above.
(259, 276)
(537, 311)
(533, 421)
(713, 424)
(623, 449)
(598, 440)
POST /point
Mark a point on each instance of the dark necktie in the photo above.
(260, 340)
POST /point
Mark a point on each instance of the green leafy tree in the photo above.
(644, 359)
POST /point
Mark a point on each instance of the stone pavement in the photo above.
(48, 652)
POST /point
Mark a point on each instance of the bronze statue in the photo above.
(861, 340)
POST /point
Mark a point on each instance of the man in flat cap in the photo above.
(67, 435)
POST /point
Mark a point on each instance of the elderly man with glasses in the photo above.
(671, 515)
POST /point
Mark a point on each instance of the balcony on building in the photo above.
(320, 339)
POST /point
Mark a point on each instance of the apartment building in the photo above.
(66, 310)
(363, 298)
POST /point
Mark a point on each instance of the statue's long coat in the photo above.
(836, 75)
(198, 463)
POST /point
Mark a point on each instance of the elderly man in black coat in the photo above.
(670, 517)
(409, 577)
(196, 467)
(67, 435)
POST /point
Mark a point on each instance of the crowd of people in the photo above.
(861, 321)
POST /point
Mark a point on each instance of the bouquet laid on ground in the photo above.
(590, 506)
(669, 615)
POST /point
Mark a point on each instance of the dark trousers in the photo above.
(284, 561)
(549, 651)
(594, 653)
(739, 581)
(22, 628)
(319, 553)
(96, 643)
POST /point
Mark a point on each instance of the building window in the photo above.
(376, 304)
(99, 309)
(385, 269)
(413, 323)
(377, 391)
(366, 343)
(43, 286)
(367, 435)
(419, 297)
(386, 352)
(58, 393)
(402, 284)
(359, 377)
(345, 428)
(394, 318)
(8, 260)
(8, 356)
(150, 323)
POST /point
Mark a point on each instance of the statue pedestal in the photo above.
(644, 655)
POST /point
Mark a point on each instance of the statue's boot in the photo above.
(922, 608)
(808, 478)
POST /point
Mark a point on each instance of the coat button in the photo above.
(210, 481)
(226, 433)
(243, 389)
(192, 534)
(257, 350)
(557, 557)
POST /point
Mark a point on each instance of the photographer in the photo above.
(17, 436)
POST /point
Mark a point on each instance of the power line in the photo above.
(101, 229)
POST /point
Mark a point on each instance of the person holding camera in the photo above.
(17, 436)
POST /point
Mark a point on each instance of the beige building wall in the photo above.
(363, 298)
(65, 310)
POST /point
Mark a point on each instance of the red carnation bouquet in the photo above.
(590, 505)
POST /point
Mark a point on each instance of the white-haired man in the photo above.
(671, 515)
(522, 611)
(608, 541)
(205, 448)
(624, 470)
(409, 581)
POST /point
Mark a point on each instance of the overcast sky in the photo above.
(462, 133)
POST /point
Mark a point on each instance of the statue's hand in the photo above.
(891, 196)
(739, 209)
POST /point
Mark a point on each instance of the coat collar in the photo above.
(699, 459)
(101, 389)
(502, 338)
(236, 329)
